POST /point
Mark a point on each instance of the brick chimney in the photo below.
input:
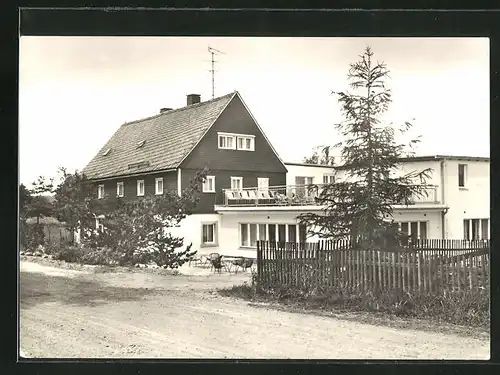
(193, 99)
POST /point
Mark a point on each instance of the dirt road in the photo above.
(83, 314)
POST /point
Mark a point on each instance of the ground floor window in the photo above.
(250, 233)
(209, 234)
(414, 229)
(476, 229)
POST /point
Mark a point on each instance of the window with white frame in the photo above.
(140, 188)
(476, 229)
(328, 178)
(100, 191)
(250, 233)
(209, 234)
(263, 183)
(119, 189)
(246, 143)
(159, 185)
(236, 183)
(414, 229)
(209, 184)
(227, 141)
(462, 175)
(98, 223)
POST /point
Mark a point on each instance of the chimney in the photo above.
(193, 99)
(163, 110)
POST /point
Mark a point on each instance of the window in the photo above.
(141, 143)
(462, 175)
(159, 185)
(100, 191)
(230, 141)
(244, 235)
(263, 183)
(292, 233)
(236, 183)
(246, 143)
(485, 229)
(209, 185)
(209, 234)
(250, 233)
(414, 229)
(106, 153)
(227, 141)
(119, 189)
(140, 188)
(262, 232)
(476, 229)
(281, 233)
(328, 178)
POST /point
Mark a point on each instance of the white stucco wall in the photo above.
(471, 202)
(316, 172)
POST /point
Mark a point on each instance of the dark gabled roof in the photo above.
(169, 137)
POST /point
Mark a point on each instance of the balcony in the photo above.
(293, 195)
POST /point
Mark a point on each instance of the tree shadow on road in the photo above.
(38, 288)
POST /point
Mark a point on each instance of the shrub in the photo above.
(100, 256)
(32, 235)
(469, 307)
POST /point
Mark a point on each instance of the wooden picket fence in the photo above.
(427, 266)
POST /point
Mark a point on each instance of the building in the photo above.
(250, 193)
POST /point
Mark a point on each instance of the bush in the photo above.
(100, 256)
(469, 307)
(31, 236)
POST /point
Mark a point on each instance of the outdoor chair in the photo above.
(216, 263)
(242, 262)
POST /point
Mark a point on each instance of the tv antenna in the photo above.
(213, 52)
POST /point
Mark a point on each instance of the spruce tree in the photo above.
(360, 206)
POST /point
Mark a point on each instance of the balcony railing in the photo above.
(293, 195)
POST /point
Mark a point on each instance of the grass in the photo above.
(466, 314)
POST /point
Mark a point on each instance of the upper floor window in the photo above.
(209, 184)
(227, 141)
(100, 191)
(246, 143)
(140, 188)
(236, 183)
(119, 189)
(263, 183)
(328, 178)
(159, 186)
(462, 175)
(232, 141)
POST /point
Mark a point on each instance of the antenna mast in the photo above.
(213, 52)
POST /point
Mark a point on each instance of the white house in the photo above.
(250, 194)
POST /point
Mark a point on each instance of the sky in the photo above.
(75, 92)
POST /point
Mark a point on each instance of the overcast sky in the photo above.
(76, 91)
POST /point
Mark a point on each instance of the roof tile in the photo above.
(169, 137)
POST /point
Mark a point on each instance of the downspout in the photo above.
(443, 213)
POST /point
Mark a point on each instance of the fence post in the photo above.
(259, 263)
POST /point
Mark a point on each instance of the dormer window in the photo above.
(141, 143)
(106, 153)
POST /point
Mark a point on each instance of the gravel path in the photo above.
(83, 314)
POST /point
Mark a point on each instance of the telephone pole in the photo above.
(213, 52)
